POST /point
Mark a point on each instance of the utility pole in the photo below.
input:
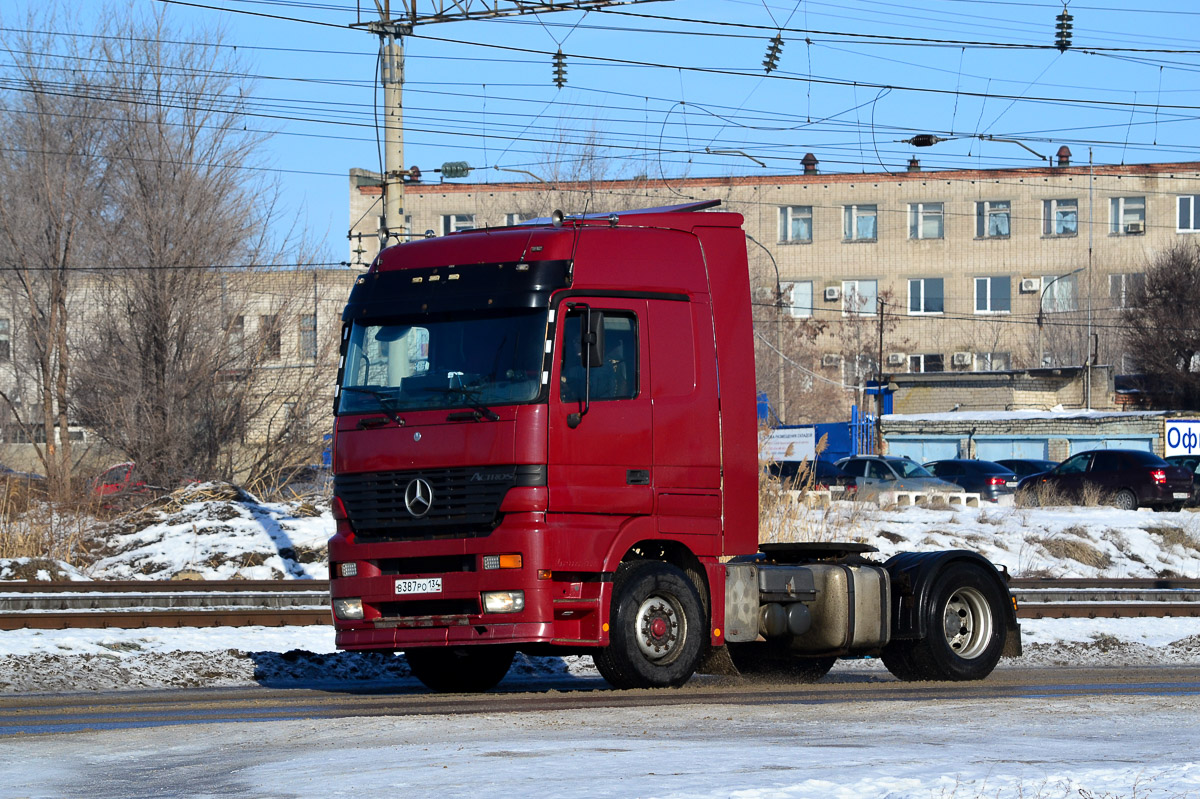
(879, 387)
(391, 32)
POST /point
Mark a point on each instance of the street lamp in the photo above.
(1042, 310)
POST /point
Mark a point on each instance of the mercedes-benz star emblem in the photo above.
(418, 497)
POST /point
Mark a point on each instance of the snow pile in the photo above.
(215, 532)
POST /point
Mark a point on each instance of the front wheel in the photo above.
(460, 669)
(657, 628)
(964, 629)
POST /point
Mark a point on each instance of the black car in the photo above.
(1192, 464)
(818, 475)
(1023, 467)
(1135, 478)
(988, 479)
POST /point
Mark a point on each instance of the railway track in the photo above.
(276, 603)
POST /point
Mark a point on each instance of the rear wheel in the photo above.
(460, 669)
(965, 629)
(1126, 500)
(657, 628)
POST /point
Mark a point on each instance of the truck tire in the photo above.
(460, 669)
(656, 628)
(965, 629)
(767, 659)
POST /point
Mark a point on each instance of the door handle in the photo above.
(637, 477)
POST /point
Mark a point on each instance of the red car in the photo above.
(122, 478)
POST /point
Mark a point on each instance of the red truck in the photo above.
(546, 442)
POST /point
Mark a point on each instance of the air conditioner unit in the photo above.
(1030, 284)
(832, 294)
(831, 360)
(896, 358)
(1134, 228)
(961, 359)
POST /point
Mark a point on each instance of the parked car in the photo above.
(876, 473)
(1134, 477)
(1023, 467)
(119, 479)
(988, 479)
(1192, 464)
(11, 477)
(819, 475)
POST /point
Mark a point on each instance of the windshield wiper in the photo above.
(384, 402)
(470, 395)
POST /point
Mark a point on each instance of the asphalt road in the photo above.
(69, 713)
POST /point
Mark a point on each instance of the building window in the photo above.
(858, 222)
(1060, 217)
(1124, 290)
(5, 339)
(993, 294)
(859, 296)
(931, 362)
(1060, 293)
(799, 298)
(796, 223)
(452, 223)
(512, 219)
(272, 338)
(926, 295)
(1189, 213)
(1127, 216)
(308, 336)
(237, 331)
(993, 361)
(925, 221)
(992, 218)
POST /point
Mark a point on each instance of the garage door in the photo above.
(923, 450)
(994, 449)
(1089, 444)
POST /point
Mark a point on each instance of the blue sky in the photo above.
(677, 88)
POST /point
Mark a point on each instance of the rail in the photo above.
(273, 603)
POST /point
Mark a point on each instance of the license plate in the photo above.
(428, 585)
(1011, 485)
(835, 489)
(1179, 495)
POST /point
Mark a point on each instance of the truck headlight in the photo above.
(503, 601)
(348, 609)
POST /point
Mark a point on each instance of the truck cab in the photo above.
(546, 441)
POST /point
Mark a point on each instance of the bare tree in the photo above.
(1164, 339)
(51, 178)
(169, 375)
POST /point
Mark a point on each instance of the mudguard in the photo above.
(913, 574)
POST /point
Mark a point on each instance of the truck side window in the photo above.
(617, 377)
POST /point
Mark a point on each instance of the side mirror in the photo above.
(591, 346)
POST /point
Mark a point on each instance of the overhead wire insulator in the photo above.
(773, 50)
(560, 68)
(1062, 32)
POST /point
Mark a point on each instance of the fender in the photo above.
(912, 575)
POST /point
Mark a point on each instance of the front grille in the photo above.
(432, 564)
(465, 501)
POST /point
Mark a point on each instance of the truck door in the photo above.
(600, 460)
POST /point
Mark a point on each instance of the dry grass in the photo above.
(1065, 546)
(1093, 496)
(32, 527)
(1040, 495)
(1173, 536)
(787, 514)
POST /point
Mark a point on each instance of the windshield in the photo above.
(910, 469)
(440, 362)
